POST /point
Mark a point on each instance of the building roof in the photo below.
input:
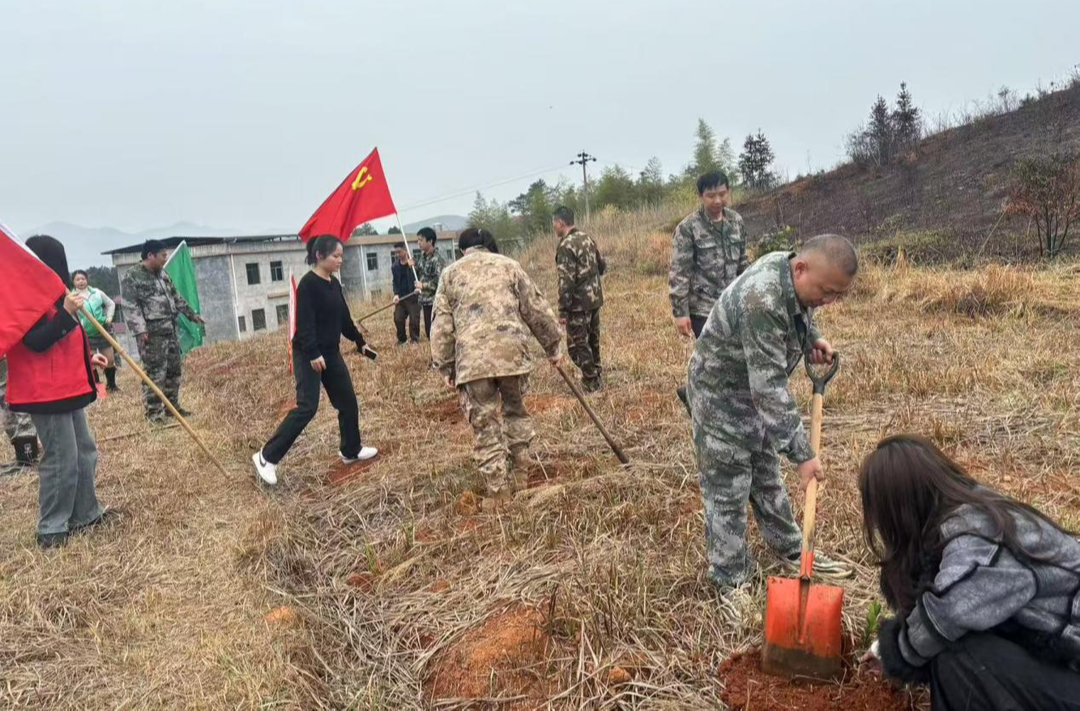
(172, 242)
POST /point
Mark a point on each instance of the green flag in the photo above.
(181, 269)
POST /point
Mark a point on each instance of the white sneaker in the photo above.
(264, 469)
(365, 454)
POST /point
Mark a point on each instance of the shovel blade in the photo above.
(807, 644)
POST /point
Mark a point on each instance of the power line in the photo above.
(468, 191)
(583, 159)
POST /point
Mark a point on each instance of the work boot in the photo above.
(824, 566)
(681, 392)
(156, 420)
(46, 541)
(110, 380)
(27, 451)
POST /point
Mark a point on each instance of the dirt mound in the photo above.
(447, 412)
(746, 686)
(503, 658)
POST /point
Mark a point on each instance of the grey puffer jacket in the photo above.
(981, 586)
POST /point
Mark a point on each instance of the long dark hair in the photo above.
(51, 251)
(477, 237)
(321, 247)
(909, 487)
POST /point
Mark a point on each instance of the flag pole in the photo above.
(157, 391)
(401, 229)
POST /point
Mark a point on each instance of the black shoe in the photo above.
(156, 420)
(106, 516)
(112, 389)
(681, 392)
(46, 541)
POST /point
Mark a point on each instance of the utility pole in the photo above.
(583, 159)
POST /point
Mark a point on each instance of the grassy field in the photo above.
(389, 586)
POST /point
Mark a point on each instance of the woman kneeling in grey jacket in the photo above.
(986, 590)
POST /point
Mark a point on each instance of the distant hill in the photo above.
(85, 245)
(449, 222)
(952, 184)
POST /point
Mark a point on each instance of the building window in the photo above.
(253, 274)
(372, 261)
(258, 320)
(376, 294)
(277, 273)
(282, 314)
(243, 325)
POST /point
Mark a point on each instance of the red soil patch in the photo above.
(746, 686)
(504, 658)
(446, 412)
(341, 473)
(468, 504)
(363, 582)
(548, 403)
(439, 586)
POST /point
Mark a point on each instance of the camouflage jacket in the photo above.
(151, 300)
(487, 311)
(580, 268)
(755, 337)
(428, 268)
(705, 258)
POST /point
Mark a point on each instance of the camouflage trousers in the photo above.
(583, 344)
(161, 361)
(16, 424)
(496, 439)
(729, 477)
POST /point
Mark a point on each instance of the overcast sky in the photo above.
(247, 113)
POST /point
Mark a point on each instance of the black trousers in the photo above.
(990, 673)
(339, 389)
(407, 309)
(427, 319)
(698, 323)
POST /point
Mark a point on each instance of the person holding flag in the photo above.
(52, 380)
(152, 307)
(322, 318)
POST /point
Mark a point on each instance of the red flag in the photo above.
(30, 289)
(363, 196)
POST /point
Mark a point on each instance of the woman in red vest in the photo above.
(50, 376)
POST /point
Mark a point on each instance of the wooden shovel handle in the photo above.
(810, 504)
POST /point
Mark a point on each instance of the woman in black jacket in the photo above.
(51, 378)
(322, 317)
(986, 589)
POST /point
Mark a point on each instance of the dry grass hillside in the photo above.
(390, 586)
(952, 185)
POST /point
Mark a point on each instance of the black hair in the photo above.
(711, 181)
(564, 215)
(321, 247)
(77, 272)
(428, 234)
(477, 237)
(51, 251)
(909, 487)
(152, 246)
(836, 249)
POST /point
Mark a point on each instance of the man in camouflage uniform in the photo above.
(19, 429)
(151, 308)
(487, 315)
(581, 295)
(428, 268)
(743, 414)
(708, 251)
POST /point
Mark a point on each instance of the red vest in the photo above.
(60, 373)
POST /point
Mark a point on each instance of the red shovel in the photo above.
(803, 621)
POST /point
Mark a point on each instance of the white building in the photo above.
(244, 281)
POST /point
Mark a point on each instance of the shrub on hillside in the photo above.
(784, 239)
(918, 246)
(1046, 190)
